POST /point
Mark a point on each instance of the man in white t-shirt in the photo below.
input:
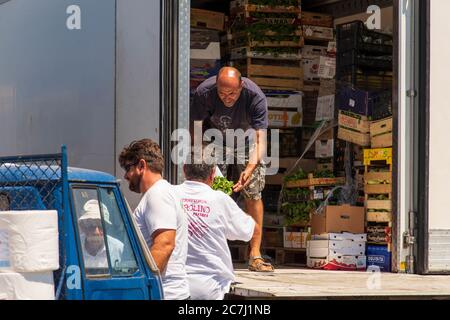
(93, 241)
(213, 219)
(159, 215)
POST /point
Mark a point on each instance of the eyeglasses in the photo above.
(91, 225)
(127, 167)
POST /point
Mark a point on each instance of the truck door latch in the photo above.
(408, 240)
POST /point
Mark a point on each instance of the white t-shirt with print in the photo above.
(161, 208)
(100, 260)
(214, 218)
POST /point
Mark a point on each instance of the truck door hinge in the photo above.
(411, 93)
(408, 240)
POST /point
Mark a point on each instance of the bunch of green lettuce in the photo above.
(222, 184)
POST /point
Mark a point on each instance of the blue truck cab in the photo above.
(123, 268)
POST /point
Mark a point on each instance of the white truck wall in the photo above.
(57, 85)
(439, 158)
(94, 89)
(138, 77)
(440, 116)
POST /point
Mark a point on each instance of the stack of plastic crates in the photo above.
(364, 68)
(361, 51)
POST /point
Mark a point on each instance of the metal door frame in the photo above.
(175, 57)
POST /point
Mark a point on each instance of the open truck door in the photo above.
(433, 221)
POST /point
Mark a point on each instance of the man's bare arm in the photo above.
(162, 247)
(255, 158)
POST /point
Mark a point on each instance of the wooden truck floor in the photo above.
(289, 283)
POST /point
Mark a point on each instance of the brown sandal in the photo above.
(257, 264)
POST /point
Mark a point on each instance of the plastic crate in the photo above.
(373, 104)
(365, 61)
(382, 105)
(355, 36)
(370, 80)
(270, 197)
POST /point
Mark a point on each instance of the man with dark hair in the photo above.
(159, 215)
(231, 102)
(213, 219)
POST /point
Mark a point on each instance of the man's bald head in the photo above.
(229, 85)
(229, 76)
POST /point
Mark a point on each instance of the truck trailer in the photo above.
(96, 75)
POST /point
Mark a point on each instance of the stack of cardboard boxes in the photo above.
(206, 27)
(364, 83)
(338, 239)
(319, 64)
(379, 210)
(265, 44)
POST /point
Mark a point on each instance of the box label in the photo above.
(325, 108)
(327, 68)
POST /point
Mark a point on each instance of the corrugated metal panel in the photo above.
(439, 251)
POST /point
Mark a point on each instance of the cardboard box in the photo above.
(341, 237)
(338, 219)
(325, 108)
(327, 135)
(327, 68)
(209, 51)
(339, 263)
(204, 69)
(317, 19)
(285, 119)
(382, 141)
(247, 52)
(296, 240)
(311, 69)
(332, 48)
(312, 52)
(325, 248)
(381, 133)
(207, 19)
(293, 101)
(318, 33)
(354, 122)
(204, 35)
(327, 87)
(361, 139)
(379, 256)
(324, 148)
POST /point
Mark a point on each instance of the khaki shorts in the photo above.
(253, 191)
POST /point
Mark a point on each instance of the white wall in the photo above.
(57, 85)
(138, 71)
(439, 204)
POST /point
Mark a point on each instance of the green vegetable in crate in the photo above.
(299, 212)
(324, 174)
(222, 184)
(299, 175)
(380, 197)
